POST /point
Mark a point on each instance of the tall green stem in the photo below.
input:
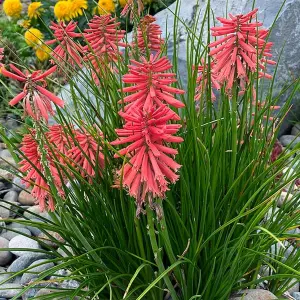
(234, 135)
(157, 254)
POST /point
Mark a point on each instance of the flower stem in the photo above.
(234, 135)
(157, 254)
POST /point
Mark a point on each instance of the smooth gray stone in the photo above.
(23, 242)
(296, 295)
(9, 235)
(254, 294)
(289, 140)
(35, 230)
(10, 290)
(3, 275)
(2, 226)
(8, 210)
(15, 225)
(28, 277)
(296, 129)
(11, 196)
(18, 185)
(25, 261)
(5, 256)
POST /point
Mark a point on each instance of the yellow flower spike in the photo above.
(62, 10)
(43, 52)
(12, 8)
(77, 7)
(33, 37)
(106, 7)
(34, 10)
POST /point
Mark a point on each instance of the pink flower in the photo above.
(202, 80)
(277, 150)
(261, 106)
(67, 51)
(103, 35)
(58, 137)
(150, 166)
(133, 7)
(36, 99)
(103, 38)
(149, 35)
(150, 84)
(35, 173)
(235, 54)
(86, 155)
(1, 55)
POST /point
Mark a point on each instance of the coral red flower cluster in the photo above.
(133, 7)
(103, 37)
(67, 51)
(1, 55)
(149, 35)
(241, 50)
(35, 172)
(202, 80)
(62, 147)
(36, 99)
(150, 84)
(151, 165)
(86, 155)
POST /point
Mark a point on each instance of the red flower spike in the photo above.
(67, 51)
(36, 99)
(149, 35)
(1, 56)
(236, 53)
(87, 147)
(58, 136)
(261, 105)
(202, 80)
(103, 38)
(150, 167)
(33, 168)
(130, 8)
(150, 84)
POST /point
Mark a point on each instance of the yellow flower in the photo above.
(12, 8)
(43, 52)
(106, 7)
(33, 37)
(62, 10)
(123, 2)
(77, 7)
(24, 23)
(34, 10)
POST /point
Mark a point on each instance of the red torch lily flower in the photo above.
(240, 49)
(67, 51)
(1, 53)
(58, 136)
(149, 35)
(202, 80)
(150, 84)
(103, 37)
(150, 164)
(86, 155)
(36, 99)
(132, 7)
(32, 166)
